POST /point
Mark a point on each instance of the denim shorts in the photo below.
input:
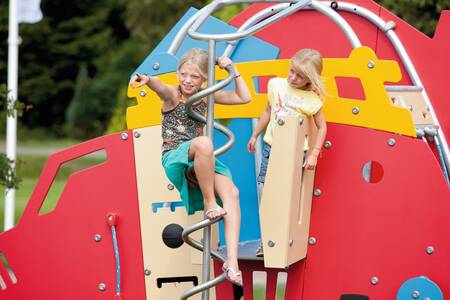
(265, 162)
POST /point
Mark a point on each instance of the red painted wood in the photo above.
(54, 255)
(379, 229)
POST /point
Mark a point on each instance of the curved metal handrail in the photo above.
(199, 246)
(201, 118)
(239, 35)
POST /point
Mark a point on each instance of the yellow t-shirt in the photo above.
(288, 101)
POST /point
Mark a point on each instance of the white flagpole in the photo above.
(11, 123)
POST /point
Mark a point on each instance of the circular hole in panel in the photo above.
(372, 171)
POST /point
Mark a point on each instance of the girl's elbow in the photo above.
(246, 100)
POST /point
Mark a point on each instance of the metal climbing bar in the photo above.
(210, 125)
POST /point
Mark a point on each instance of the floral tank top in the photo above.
(178, 127)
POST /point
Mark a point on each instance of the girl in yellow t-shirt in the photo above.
(298, 94)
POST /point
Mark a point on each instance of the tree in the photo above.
(422, 14)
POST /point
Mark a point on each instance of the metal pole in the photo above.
(210, 134)
(11, 121)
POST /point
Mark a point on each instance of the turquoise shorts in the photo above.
(175, 163)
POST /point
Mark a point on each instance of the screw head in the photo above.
(317, 192)
(301, 121)
(147, 272)
(374, 280)
(124, 136)
(312, 241)
(271, 243)
(97, 237)
(391, 142)
(280, 122)
(137, 134)
(427, 298)
(371, 64)
(415, 294)
(170, 186)
(291, 242)
(327, 144)
(155, 66)
(430, 250)
(355, 110)
(102, 287)
(143, 93)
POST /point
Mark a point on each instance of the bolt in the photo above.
(280, 122)
(97, 237)
(102, 287)
(147, 272)
(391, 142)
(312, 241)
(170, 187)
(291, 242)
(317, 192)
(430, 250)
(143, 93)
(271, 243)
(374, 280)
(389, 26)
(355, 110)
(371, 64)
(415, 294)
(301, 121)
(155, 66)
(427, 298)
(327, 145)
(124, 136)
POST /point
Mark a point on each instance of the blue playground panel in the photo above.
(240, 162)
(420, 288)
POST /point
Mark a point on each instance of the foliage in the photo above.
(409, 10)
(8, 177)
(72, 33)
(9, 105)
(118, 120)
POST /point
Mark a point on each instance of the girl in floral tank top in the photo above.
(179, 127)
(185, 148)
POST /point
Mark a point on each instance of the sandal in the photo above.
(226, 269)
(220, 211)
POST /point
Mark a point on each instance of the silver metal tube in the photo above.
(403, 88)
(203, 287)
(211, 82)
(387, 28)
(315, 5)
(176, 43)
(239, 35)
(206, 285)
(201, 118)
(340, 21)
(197, 245)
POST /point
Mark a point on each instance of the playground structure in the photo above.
(370, 223)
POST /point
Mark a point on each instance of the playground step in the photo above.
(246, 250)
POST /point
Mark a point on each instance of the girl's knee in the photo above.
(234, 193)
(202, 144)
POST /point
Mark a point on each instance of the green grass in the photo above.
(259, 293)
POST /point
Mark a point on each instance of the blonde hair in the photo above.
(198, 57)
(310, 63)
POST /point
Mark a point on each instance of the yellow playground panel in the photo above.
(377, 110)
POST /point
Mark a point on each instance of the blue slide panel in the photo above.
(241, 163)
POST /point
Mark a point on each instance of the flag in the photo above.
(29, 11)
